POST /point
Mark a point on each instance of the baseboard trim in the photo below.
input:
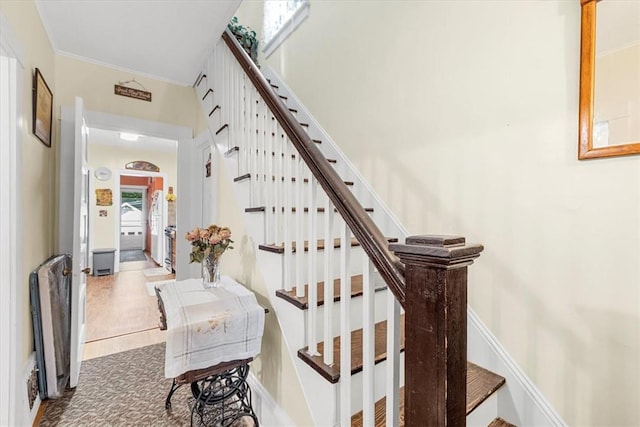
(532, 408)
(266, 408)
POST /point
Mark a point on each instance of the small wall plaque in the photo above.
(132, 93)
(104, 197)
(141, 165)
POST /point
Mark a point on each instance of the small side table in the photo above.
(221, 393)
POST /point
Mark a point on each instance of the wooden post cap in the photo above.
(434, 249)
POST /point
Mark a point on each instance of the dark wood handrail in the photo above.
(362, 226)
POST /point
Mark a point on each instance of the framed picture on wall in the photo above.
(42, 109)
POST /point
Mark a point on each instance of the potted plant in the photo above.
(246, 37)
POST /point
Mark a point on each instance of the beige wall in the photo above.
(103, 229)
(463, 116)
(171, 103)
(38, 161)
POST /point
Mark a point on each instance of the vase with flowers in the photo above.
(207, 246)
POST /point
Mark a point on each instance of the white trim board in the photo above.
(524, 404)
(264, 405)
(11, 289)
(190, 187)
(115, 122)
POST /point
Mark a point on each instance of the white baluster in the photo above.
(288, 216)
(368, 343)
(249, 132)
(235, 133)
(255, 147)
(328, 278)
(393, 360)
(262, 164)
(345, 325)
(271, 237)
(217, 85)
(299, 192)
(276, 154)
(312, 294)
(225, 91)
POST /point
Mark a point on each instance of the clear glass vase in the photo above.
(210, 272)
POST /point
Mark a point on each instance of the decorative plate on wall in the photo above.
(102, 173)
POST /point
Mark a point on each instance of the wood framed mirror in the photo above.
(609, 111)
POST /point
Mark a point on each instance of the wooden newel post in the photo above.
(436, 328)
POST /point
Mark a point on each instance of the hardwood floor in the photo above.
(121, 315)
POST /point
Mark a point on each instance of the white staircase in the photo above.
(300, 246)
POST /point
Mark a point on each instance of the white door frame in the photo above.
(118, 123)
(12, 398)
(116, 202)
(191, 187)
(145, 210)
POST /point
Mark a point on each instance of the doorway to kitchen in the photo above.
(133, 221)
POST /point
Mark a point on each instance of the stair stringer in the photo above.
(520, 401)
(319, 394)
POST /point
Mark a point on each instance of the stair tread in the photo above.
(303, 301)
(236, 149)
(231, 151)
(499, 422)
(293, 179)
(320, 245)
(293, 209)
(332, 373)
(481, 384)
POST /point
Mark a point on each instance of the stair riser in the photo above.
(380, 314)
(272, 191)
(244, 165)
(323, 392)
(380, 384)
(255, 196)
(485, 413)
(242, 191)
(289, 222)
(355, 265)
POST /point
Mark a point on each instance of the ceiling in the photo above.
(164, 39)
(112, 139)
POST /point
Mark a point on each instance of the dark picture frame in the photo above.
(42, 109)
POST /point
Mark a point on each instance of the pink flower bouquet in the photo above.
(210, 241)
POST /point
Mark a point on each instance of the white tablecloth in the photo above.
(208, 326)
